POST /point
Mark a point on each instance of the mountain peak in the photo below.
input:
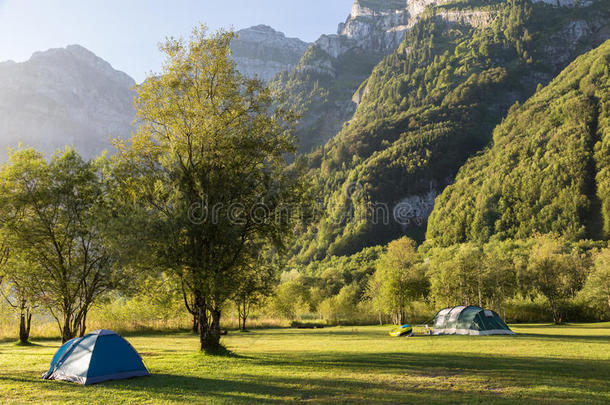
(79, 50)
(73, 55)
(268, 35)
(64, 96)
(263, 52)
(262, 28)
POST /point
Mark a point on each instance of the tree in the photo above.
(16, 288)
(471, 274)
(442, 275)
(597, 286)
(556, 271)
(291, 298)
(372, 294)
(18, 291)
(343, 306)
(207, 172)
(400, 277)
(258, 279)
(501, 276)
(54, 215)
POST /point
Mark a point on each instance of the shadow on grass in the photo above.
(549, 325)
(27, 344)
(599, 338)
(368, 377)
(246, 388)
(221, 351)
(281, 389)
(436, 378)
(36, 339)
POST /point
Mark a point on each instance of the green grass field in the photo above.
(543, 364)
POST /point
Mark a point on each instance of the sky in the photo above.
(126, 32)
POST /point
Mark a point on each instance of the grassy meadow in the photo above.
(542, 364)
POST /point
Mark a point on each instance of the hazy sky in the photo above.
(126, 32)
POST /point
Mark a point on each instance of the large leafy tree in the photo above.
(399, 278)
(54, 214)
(206, 172)
(557, 272)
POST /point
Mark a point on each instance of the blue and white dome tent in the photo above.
(98, 356)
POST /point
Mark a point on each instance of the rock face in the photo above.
(573, 34)
(327, 84)
(323, 86)
(263, 52)
(65, 96)
(380, 25)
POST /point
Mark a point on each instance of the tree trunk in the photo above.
(83, 325)
(243, 323)
(243, 315)
(203, 326)
(380, 320)
(195, 328)
(29, 323)
(67, 332)
(555, 311)
(209, 335)
(25, 321)
(402, 316)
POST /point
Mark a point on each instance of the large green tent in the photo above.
(469, 320)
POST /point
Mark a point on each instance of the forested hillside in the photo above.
(431, 105)
(321, 87)
(547, 171)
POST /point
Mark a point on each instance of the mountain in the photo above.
(70, 96)
(429, 106)
(548, 169)
(322, 85)
(65, 96)
(263, 52)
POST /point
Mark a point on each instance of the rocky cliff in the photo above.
(325, 86)
(263, 52)
(65, 96)
(380, 25)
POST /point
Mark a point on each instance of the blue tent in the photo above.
(98, 356)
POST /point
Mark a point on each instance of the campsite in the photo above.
(271, 201)
(347, 364)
